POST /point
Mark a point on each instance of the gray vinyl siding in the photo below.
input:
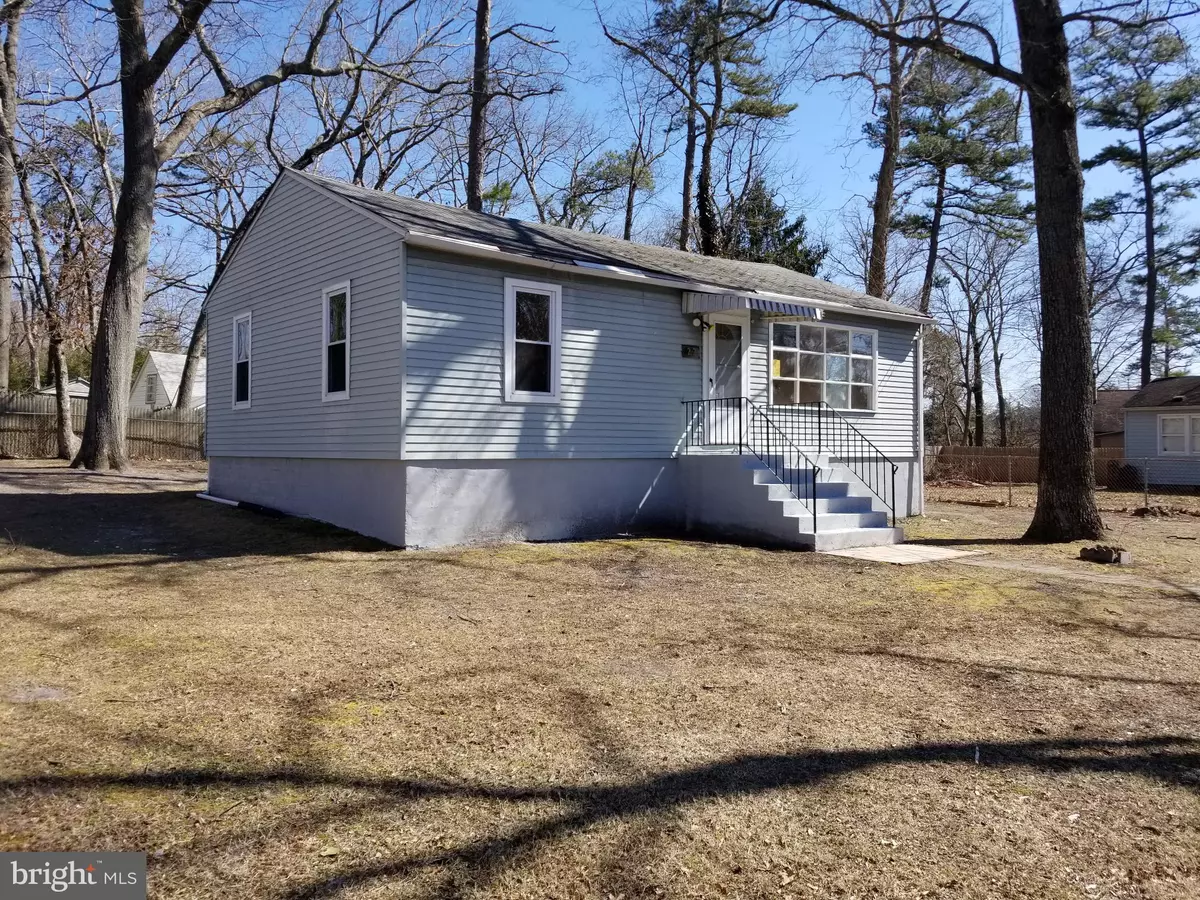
(137, 394)
(892, 425)
(1141, 444)
(301, 243)
(623, 374)
(1141, 434)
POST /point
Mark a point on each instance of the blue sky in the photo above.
(824, 164)
(828, 165)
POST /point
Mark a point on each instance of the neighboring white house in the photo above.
(77, 389)
(434, 376)
(157, 382)
(1162, 431)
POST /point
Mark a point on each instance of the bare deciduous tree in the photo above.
(10, 19)
(1066, 508)
(145, 151)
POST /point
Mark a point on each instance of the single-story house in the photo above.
(157, 382)
(1162, 428)
(1108, 417)
(433, 376)
(77, 389)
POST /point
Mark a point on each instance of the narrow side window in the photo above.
(532, 341)
(151, 390)
(241, 360)
(336, 363)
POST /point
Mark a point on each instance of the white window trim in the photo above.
(150, 394)
(326, 396)
(1188, 448)
(511, 394)
(244, 404)
(825, 326)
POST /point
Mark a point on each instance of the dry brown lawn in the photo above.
(1180, 500)
(272, 708)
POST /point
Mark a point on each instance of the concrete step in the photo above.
(847, 504)
(794, 509)
(851, 537)
(823, 490)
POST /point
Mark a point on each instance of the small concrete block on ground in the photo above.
(903, 554)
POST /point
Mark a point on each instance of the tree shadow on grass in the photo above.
(1170, 760)
(973, 542)
(172, 525)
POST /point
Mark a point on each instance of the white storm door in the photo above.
(725, 378)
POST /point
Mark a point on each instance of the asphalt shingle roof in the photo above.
(565, 245)
(1106, 414)
(1180, 391)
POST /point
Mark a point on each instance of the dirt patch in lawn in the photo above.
(1163, 548)
(273, 708)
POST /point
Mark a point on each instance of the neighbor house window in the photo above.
(151, 389)
(337, 342)
(241, 360)
(532, 340)
(811, 363)
(1178, 435)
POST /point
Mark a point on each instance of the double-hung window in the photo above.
(811, 363)
(151, 390)
(241, 360)
(336, 306)
(1178, 435)
(532, 341)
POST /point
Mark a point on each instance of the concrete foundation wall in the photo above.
(363, 495)
(452, 502)
(722, 501)
(447, 502)
(909, 486)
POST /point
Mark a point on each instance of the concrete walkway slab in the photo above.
(903, 554)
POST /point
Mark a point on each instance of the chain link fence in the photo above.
(1001, 476)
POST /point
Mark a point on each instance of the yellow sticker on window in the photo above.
(776, 367)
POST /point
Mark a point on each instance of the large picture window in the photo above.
(337, 342)
(241, 360)
(1178, 435)
(811, 363)
(532, 341)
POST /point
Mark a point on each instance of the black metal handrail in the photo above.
(821, 426)
(737, 421)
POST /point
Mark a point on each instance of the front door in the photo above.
(724, 378)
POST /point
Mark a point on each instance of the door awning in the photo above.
(695, 302)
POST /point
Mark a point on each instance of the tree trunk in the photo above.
(6, 259)
(68, 443)
(479, 103)
(8, 109)
(968, 399)
(1147, 355)
(1001, 403)
(977, 382)
(188, 379)
(125, 286)
(1066, 505)
(689, 162)
(627, 232)
(885, 184)
(935, 229)
(706, 214)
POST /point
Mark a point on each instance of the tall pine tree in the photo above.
(962, 157)
(756, 228)
(1142, 83)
